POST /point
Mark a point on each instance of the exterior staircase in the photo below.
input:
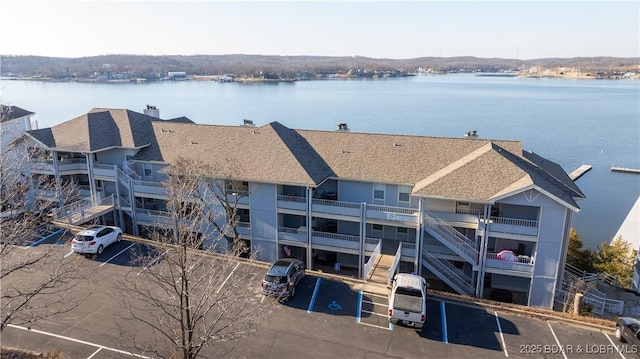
(450, 237)
(449, 274)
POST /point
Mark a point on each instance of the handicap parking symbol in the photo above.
(335, 306)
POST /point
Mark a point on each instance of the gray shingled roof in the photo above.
(8, 113)
(461, 168)
(99, 129)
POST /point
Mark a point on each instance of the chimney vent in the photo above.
(152, 111)
(342, 127)
(248, 123)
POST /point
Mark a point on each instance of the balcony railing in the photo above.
(519, 263)
(513, 225)
(343, 241)
(293, 234)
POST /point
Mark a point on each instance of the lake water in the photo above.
(572, 122)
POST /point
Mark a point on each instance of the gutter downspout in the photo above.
(417, 262)
(309, 228)
(483, 251)
(363, 235)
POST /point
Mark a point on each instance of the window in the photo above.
(403, 230)
(378, 191)
(403, 193)
(376, 227)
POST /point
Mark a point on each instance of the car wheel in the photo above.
(619, 334)
(100, 249)
(119, 238)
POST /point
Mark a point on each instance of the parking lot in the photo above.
(327, 318)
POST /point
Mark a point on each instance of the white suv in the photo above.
(95, 239)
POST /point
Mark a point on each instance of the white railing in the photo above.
(514, 222)
(448, 273)
(102, 166)
(408, 249)
(335, 240)
(372, 260)
(80, 207)
(518, 259)
(329, 202)
(147, 183)
(473, 212)
(401, 210)
(129, 171)
(452, 238)
(289, 198)
(394, 266)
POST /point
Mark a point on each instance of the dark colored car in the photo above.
(281, 279)
(628, 331)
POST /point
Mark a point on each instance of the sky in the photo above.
(377, 29)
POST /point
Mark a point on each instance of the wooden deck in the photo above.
(624, 169)
(88, 214)
(579, 172)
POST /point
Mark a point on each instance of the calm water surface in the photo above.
(572, 122)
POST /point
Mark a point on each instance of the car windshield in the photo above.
(84, 238)
(274, 279)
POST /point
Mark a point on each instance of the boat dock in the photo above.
(579, 172)
(624, 169)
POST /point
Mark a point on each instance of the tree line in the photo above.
(153, 67)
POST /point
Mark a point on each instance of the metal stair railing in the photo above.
(448, 273)
(450, 237)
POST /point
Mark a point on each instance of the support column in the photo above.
(92, 184)
(363, 236)
(56, 173)
(134, 223)
(309, 228)
(417, 261)
(483, 251)
(421, 235)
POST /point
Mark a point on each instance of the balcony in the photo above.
(293, 235)
(337, 242)
(149, 189)
(292, 202)
(469, 216)
(65, 166)
(516, 226)
(244, 229)
(519, 264)
(151, 217)
(342, 208)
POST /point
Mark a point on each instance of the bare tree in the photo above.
(187, 297)
(35, 281)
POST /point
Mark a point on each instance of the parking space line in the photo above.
(445, 339)
(78, 341)
(313, 297)
(360, 310)
(501, 335)
(229, 276)
(153, 262)
(359, 307)
(94, 353)
(614, 345)
(68, 254)
(45, 238)
(557, 341)
(109, 260)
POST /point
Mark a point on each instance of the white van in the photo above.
(408, 300)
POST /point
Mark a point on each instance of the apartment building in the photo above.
(475, 214)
